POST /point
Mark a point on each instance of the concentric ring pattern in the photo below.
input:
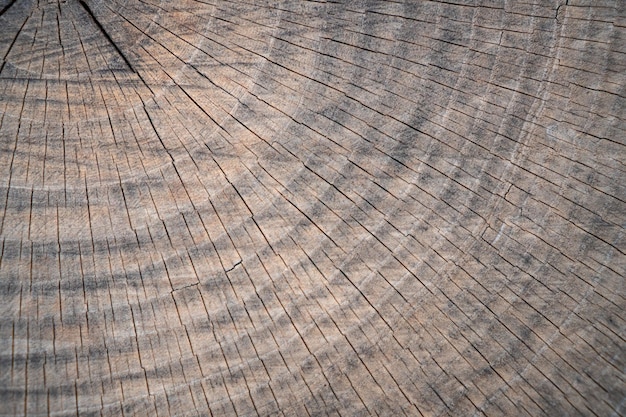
(297, 208)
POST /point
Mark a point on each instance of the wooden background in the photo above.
(215, 207)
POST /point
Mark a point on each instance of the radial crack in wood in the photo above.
(312, 207)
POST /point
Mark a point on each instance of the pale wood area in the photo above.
(312, 208)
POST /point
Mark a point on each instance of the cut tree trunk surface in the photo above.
(312, 208)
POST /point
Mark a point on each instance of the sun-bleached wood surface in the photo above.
(312, 208)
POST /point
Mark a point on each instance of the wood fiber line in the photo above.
(248, 207)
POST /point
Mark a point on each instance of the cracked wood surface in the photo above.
(312, 208)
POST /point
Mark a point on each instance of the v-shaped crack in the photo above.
(106, 35)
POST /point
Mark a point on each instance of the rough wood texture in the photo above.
(312, 208)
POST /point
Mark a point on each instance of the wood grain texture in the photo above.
(252, 207)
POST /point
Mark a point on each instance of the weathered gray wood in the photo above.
(312, 208)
